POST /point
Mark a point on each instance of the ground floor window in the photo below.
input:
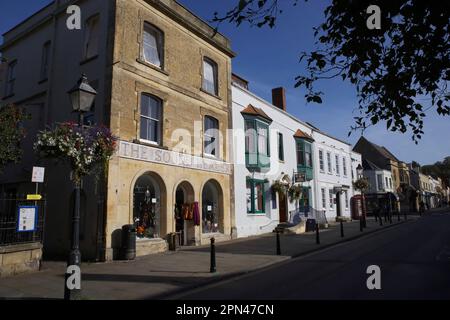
(330, 194)
(211, 207)
(346, 199)
(146, 207)
(255, 196)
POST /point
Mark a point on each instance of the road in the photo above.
(414, 259)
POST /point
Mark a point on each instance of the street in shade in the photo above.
(414, 259)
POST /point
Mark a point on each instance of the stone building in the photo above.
(163, 79)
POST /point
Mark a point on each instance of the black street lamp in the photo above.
(82, 97)
(359, 171)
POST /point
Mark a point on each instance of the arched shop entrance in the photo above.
(148, 204)
(212, 208)
(184, 213)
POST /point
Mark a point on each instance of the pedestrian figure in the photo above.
(376, 211)
(421, 208)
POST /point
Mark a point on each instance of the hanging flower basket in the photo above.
(361, 184)
(87, 150)
(295, 193)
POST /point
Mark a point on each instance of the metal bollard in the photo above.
(213, 256)
(398, 216)
(278, 243)
(342, 229)
(381, 221)
(361, 224)
(390, 218)
(317, 234)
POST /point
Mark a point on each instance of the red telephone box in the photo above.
(357, 207)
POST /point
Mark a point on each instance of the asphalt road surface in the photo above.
(414, 259)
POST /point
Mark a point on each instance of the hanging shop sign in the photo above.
(149, 154)
(38, 175)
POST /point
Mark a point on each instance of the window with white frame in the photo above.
(45, 60)
(10, 79)
(386, 182)
(280, 147)
(380, 181)
(330, 168)
(324, 198)
(151, 114)
(321, 161)
(210, 76)
(211, 136)
(344, 166)
(346, 199)
(153, 45)
(263, 145)
(330, 195)
(390, 183)
(92, 37)
(338, 169)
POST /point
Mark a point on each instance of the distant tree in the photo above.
(11, 134)
(439, 169)
(415, 164)
(400, 71)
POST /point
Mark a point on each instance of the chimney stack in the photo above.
(279, 98)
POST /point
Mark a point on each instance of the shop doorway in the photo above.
(283, 207)
(184, 217)
(212, 204)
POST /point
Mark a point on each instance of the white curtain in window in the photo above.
(258, 196)
(250, 135)
(208, 77)
(151, 46)
(150, 118)
(262, 141)
(249, 197)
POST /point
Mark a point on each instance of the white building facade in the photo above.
(271, 147)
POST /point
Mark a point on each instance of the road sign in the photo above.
(34, 197)
(38, 174)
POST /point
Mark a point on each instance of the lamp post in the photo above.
(82, 97)
(359, 170)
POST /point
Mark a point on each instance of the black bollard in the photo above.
(398, 216)
(213, 256)
(381, 221)
(342, 229)
(406, 217)
(390, 218)
(361, 226)
(278, 243)
(317, 234)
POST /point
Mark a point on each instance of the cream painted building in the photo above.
(163, 78)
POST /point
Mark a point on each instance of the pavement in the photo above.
(165, 275)
(413, 260)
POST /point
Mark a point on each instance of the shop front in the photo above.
(161, 194)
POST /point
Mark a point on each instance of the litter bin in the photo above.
(310, 225)
(172, 239)
(128, 242)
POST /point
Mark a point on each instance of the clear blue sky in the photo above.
(268, 58)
